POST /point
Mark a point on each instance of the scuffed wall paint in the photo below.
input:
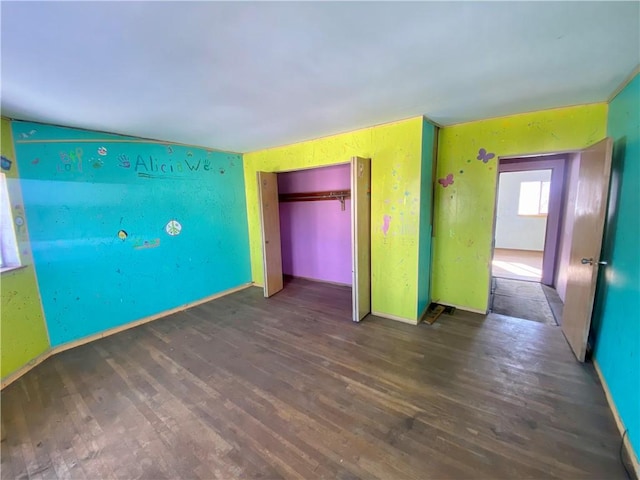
(466, 189)
(22, 325)
(395, 152)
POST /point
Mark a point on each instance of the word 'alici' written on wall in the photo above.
(73, 162)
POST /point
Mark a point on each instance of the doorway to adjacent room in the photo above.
(526, 233)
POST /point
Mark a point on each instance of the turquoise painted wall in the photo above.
(426, 220)
(616, 325)
(83, 190)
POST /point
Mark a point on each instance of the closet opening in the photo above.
(316, 228)
(315, 224)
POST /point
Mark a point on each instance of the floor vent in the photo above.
(435, 310)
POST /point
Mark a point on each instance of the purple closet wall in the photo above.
(316, 236)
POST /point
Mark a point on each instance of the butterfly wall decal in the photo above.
(484, 156)
(445, 182)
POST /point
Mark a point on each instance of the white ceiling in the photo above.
(243, 76)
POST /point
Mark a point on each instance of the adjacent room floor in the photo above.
(517, 264)
(526, 300)
(289, 387)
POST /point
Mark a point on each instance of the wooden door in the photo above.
(361, 236)
(582, 273)
(270, 221)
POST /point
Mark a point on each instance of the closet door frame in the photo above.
(360, 235)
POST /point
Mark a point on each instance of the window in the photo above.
(534, 198)
(9, 257)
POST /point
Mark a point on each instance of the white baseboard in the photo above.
(396, 318)
(459, 307)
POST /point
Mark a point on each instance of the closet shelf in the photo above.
(339, 195)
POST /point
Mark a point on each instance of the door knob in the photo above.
(589, 261)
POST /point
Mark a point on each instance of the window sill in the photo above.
(11, 269)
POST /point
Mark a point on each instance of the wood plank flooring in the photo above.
(289, 387)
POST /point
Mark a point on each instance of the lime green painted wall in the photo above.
(464, 209)
(22, 327)
(395, 152)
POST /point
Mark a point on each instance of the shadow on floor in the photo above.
(527, 300)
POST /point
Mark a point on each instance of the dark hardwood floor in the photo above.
(289, 387)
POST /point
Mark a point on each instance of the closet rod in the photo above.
(339, 195)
